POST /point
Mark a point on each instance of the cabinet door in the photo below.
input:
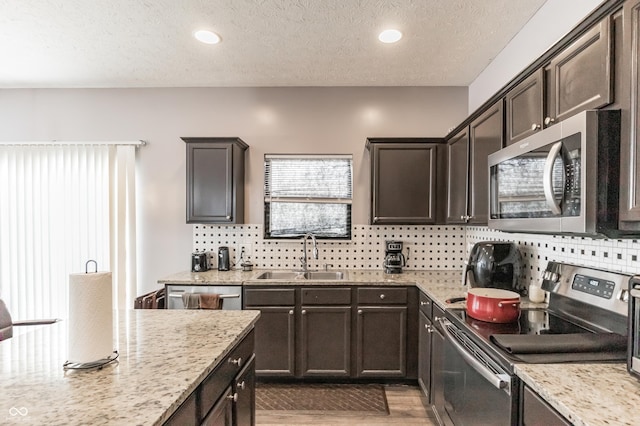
(222, 413)
(381, 338)
(244, 407)
(486, 137)
(581, 76)
(424, 355)
(325, 341)
(215, 180)
(275, 341)
(536, 412)
(524, 105)
(630, 143)
(403, 183)
(457, 177)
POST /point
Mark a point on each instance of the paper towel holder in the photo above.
(92, 365)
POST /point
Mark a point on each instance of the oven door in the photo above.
(476, 389)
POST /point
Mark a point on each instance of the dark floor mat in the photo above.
(321, 397)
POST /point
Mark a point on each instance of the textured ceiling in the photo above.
(149, 43)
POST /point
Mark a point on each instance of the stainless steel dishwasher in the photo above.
(231, 295)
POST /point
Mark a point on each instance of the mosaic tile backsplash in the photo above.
(426, 247)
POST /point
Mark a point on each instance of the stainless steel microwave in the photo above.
(563, 180)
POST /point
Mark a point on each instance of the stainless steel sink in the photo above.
(310, 275)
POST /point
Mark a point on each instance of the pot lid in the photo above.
(494, 293)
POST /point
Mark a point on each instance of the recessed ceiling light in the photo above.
(390, 36)
(206, 36)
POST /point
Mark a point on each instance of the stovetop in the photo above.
(578, 310)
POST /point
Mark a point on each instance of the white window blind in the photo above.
(308, 193)
(61, 205)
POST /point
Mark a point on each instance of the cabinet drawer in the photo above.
(426, 306)
(269, 297)
(382, 295)
(219, 379)
(326, 296)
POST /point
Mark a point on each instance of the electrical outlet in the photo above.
(244, 251)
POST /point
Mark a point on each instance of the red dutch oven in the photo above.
(493, 305)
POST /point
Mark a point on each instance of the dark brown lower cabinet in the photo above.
(424, 355)
(537, 412)
(222, 413)
(244, 396)
(381, 342)
(275, 341)
(325, 341)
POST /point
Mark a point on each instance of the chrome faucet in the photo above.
(303, 259)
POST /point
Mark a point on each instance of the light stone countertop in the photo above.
(586, 394)
(164, 356)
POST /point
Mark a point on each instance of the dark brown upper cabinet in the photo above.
(581, 76)
(524, 106)
(403, 180)
(578, 78)
(215, 180)
(467, 167)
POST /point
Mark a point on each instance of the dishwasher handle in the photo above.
(221, 296)
(499, 381)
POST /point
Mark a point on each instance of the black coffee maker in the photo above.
(495, 264)
(394, 260)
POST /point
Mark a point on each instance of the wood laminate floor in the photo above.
(405, 407)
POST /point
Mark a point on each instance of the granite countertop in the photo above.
(164, 355)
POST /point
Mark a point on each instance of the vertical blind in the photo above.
(308, 193)
(61, 205)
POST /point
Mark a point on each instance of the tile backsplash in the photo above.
(426, 247)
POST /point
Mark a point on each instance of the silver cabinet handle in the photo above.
(535, 127)
(233, 397)
(549, 120)
(241, 385)
(359, 311)
(422, 303)
(428, 328)
(304, 312)
(291, 312)
(382, 296)
(237, 361)
(228, 217)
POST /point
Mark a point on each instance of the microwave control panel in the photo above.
(596, 286)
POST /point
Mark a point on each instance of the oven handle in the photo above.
(499, 381)
(547, 178)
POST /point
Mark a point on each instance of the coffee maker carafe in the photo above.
(394, 260)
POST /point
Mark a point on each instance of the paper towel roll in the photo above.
(90, 317)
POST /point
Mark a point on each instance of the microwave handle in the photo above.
(547, 178)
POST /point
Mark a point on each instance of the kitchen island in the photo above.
(164, 356)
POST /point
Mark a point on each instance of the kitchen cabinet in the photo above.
(333, 332)
(537, 412)
(227, 395)
(437, 368)
(578, 78)
(404, 180)
(275, 330)
(524, 108)
(215, 180)
(467, 167)
(424, 346)
(325, 332)
(581, 76)
(630, 122)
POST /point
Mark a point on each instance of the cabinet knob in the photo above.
(428, 328)
(228, 217)
(233, 397)
(291, 312)
(237, 361)
(535, 127)
(423, 303)
(241, 385)
(549, 120)
(359, 311)
(382, 296)
(304, 312)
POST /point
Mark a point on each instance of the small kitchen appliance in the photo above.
(199, 262)
(394, 260)
(494, 264)
(223, 259)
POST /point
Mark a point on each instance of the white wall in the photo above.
(270, 120)
(552, 22)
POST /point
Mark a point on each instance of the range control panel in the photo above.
(596, 286)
